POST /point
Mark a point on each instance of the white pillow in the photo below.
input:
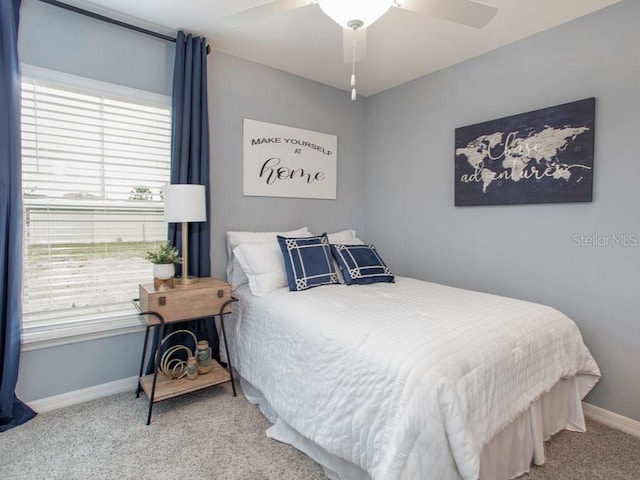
(343, 237)
(235, 273)
(263, 265)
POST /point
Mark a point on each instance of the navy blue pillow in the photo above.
(361, 264)
(308, 262)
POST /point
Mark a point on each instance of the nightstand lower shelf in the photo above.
(167, 388)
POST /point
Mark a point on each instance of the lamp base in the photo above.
(186, 281)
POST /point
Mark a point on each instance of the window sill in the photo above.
(47, 336)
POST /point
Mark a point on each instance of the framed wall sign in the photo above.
(544, 156)
(282, 161)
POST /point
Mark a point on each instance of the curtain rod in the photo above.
(112, 21)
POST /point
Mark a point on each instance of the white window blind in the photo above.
(93, 166)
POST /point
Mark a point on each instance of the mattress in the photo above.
(409, 380)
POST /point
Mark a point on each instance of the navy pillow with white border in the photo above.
(361, 264)
(308, 262)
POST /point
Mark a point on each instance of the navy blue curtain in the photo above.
(190, 165)
(190, 142)
(12, 411)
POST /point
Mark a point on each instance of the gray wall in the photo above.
(240, 89)
(525, 251)
(54, 38)
(237, 89)
(52, 371)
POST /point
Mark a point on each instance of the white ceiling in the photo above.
(401, 46)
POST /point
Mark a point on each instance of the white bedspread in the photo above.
(406, 380)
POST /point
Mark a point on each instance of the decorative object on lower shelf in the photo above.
(192, 368)
(203, 356)
(175, 368)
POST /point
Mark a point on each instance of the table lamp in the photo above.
(184, 203)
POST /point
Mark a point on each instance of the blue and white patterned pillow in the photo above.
(361, 264)
(308, 262)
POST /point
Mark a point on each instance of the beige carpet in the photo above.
(212, 435)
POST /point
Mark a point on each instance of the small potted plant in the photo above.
(163, 258)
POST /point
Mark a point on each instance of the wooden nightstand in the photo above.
(209, 297)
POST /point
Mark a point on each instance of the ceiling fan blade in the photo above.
(360, 45)
(465, 12)
(263, 11)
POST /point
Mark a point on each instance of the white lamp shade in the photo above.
(343, 11)
(184, 203)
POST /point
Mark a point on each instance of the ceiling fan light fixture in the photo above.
(348, 13)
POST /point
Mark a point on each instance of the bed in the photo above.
(411, 379)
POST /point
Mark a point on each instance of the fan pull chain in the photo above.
(353, 67)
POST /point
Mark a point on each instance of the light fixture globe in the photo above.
(354, 13)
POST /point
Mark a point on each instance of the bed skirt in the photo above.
(508, 455)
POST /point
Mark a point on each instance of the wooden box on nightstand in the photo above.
(184, 302)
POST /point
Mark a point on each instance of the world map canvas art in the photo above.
(543, 156)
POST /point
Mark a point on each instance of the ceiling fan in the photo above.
(356, 15)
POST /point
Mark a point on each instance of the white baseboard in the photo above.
(84, 395)
(624, 424)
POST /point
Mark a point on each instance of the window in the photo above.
(94, 159)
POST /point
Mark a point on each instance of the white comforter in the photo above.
(406, 380)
